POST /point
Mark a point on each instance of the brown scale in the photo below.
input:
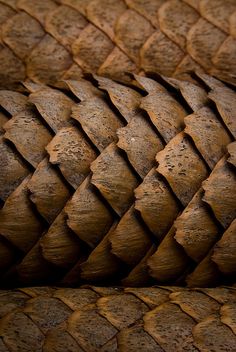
(222, 295)
(221, 201)
(37, 10)
(87, 215)
(196, 304)
(82, 47)
(13, 102)
(196, 231)
(182, 167)
(127, 39)
(159, 323)
(165, 112)
(60, 30)
(205, 274)
(30, 144)
(232, 23)
(224, 250)
(232, 153)
(72, 153)
(110, 171)
(104, 14)
(26, 222)
(195, 95)
(42, 66)
(133, 337)
(60, 239)
(228, 316)
(13, 170)
(118, 66)
(200, 34)
(138, 238)
(34, 267)
(156, 204)
(225, 103)
(215, 14)
(54, 106)
(139, 275)
(22, 33)
(159, 51)
(3, 120)
(169, 261)
(140, 142)
(213, 147)
(101, 263)
(131, 309)
(224, 335)
(47, 188)
(16, 73)
(176, 19)
(98, 121)
(7, 255)
(147, 9)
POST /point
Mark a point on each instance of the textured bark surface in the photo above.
(104, 182)
(52, 40)
(154, 319)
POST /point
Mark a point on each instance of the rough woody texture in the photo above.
(102, 182)
(47, 41)
(92, 319)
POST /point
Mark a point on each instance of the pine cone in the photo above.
(95, 319)
(47, 41)
(103, 182)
